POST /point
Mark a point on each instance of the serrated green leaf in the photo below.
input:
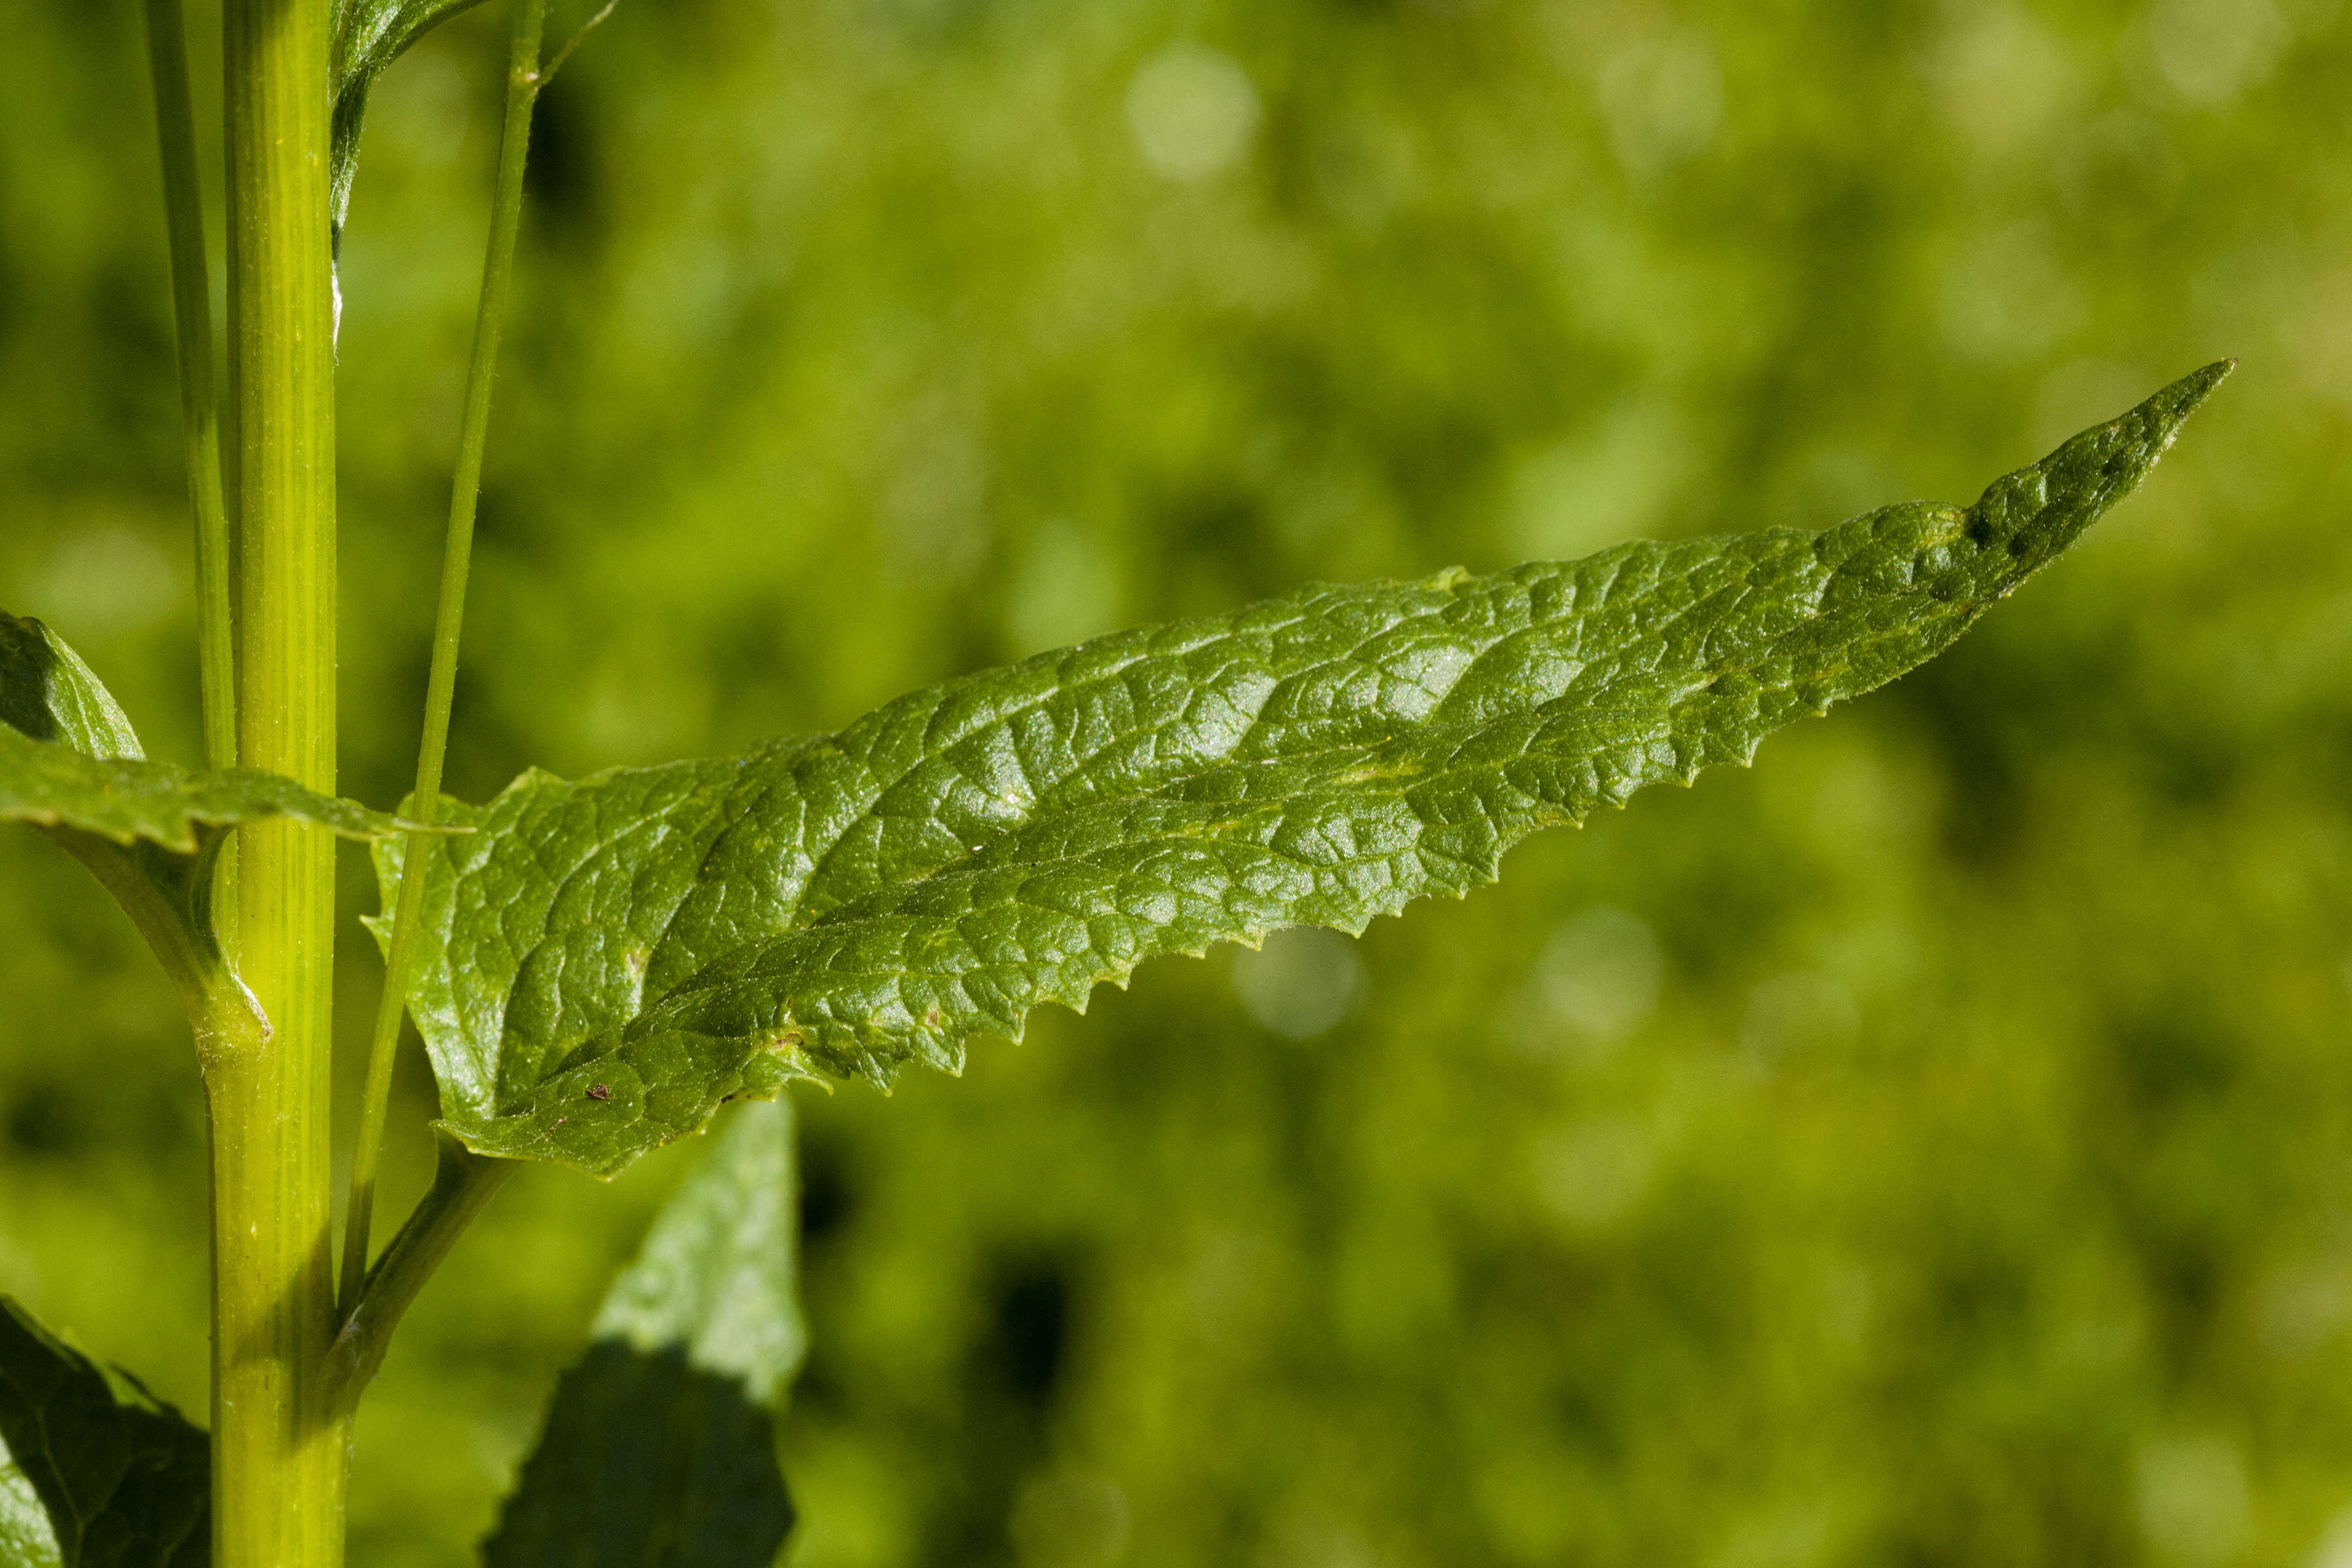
(95, 1471)
(127, 800)
(610, 960)
(68, 759)
(369, 35)
(660, 1446)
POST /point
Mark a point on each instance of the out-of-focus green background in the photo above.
(1934, 1147)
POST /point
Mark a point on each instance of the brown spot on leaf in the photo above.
(599, 1091)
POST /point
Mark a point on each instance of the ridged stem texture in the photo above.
(277, 1451)
(490, 318)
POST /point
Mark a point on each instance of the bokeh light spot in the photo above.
(1193, 110)
(1301, 983)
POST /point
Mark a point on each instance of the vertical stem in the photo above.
(489, 322)
(192, 311)
(278, 1452)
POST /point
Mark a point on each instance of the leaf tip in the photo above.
(2042, 508)
(2169, 409)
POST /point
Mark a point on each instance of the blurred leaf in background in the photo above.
(1932, 1147)
(659, 1448)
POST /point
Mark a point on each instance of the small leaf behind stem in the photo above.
(717, 1273)
(369, 35)
(93, 1468)
(660, 1446)
(610, 959)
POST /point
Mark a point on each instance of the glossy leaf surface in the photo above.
(127, 800)
(612, 959)
(48, 693)
(660, 1446)
(95, 1472)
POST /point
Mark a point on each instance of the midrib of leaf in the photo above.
(620, 955)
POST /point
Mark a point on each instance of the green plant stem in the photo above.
(192, 313)
(277, 1449)
(463, 1184)
(489, 322)
(546, 72)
